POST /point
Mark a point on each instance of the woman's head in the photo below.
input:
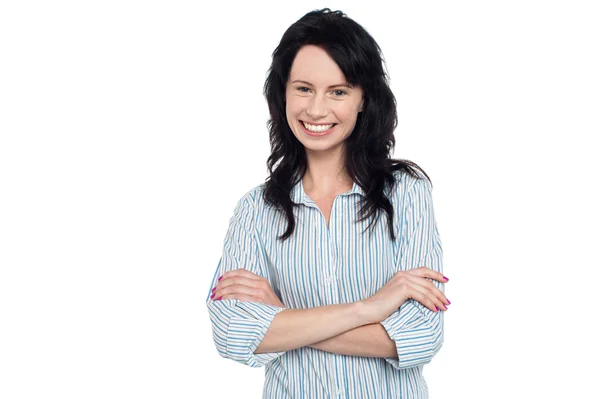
(321, 106)
(324, 48)
(321, 49)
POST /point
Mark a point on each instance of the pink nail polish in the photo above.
(448, 301)
(447, 279)
(219, 298)
(436, 309)
(213, 290)
(212, 296)
(220, 278)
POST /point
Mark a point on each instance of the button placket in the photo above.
(328, 277)
(331, 246)
(339, 392)
(333, 261)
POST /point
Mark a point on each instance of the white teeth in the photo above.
(317, 129)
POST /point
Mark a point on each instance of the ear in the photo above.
(360, 107)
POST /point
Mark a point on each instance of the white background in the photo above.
(130, 129)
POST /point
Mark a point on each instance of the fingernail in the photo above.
(220, 278)
(448, 301)
(446, 278)
(212, 296)
(445, 307)
(219, 298)
(436, 309)
(213, 290)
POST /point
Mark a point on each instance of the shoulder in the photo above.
(252, 198)
(405, 183)
(411, 194)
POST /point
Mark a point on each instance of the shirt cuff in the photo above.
(413, 334)
(244, 335)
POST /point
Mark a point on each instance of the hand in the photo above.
(246, 286)
(404, 285)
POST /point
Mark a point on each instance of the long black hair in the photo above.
(368, 148)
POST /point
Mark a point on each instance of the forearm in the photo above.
(370, 340)
(295, 328)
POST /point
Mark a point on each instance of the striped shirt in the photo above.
(324, 265)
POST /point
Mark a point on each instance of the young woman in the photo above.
(331, 274)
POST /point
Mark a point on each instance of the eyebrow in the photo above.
(310, 84)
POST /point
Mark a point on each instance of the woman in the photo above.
(331, 274)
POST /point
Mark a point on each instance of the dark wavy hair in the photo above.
(367, 149)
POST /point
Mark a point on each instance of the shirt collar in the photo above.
(299, 196)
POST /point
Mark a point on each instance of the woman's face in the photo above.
(318, 94)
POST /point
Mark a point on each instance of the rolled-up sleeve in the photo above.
(239, 326)
(417, 331)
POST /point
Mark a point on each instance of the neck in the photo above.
(325, 175)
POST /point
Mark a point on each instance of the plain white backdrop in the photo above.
(130, 129)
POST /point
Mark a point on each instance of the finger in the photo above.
(423, 298)
(239, 280)
(254, 283)
(239, 272)
(424, 271)
(236, 289)
(241, 297)
(429, 295)
(430, 287)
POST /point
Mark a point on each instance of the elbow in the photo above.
(437, 339)
(431, 348)
(235, 337)
(433, 344)
(219, 323)
(418, 347)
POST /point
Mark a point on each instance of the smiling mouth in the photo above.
(317, 129)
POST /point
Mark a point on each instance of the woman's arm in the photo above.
(370, 340)
(239, 326)
(295, 328)
(417, 330)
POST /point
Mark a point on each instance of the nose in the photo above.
(317, 108)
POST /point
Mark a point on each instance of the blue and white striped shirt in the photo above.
(324, 265)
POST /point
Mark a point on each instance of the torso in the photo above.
(325, 205)
(332, 256)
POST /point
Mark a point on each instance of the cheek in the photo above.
(289, 114)
(348, 114)
(293, 107)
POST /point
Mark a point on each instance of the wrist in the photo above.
(364, 313)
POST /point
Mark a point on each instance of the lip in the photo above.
(318, 124)
(326, 132)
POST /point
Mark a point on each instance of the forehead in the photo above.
(314, 65)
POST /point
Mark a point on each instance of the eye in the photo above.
(300, 89)
(340, 91)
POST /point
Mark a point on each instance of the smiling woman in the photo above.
(314, 108)
(320, 303)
